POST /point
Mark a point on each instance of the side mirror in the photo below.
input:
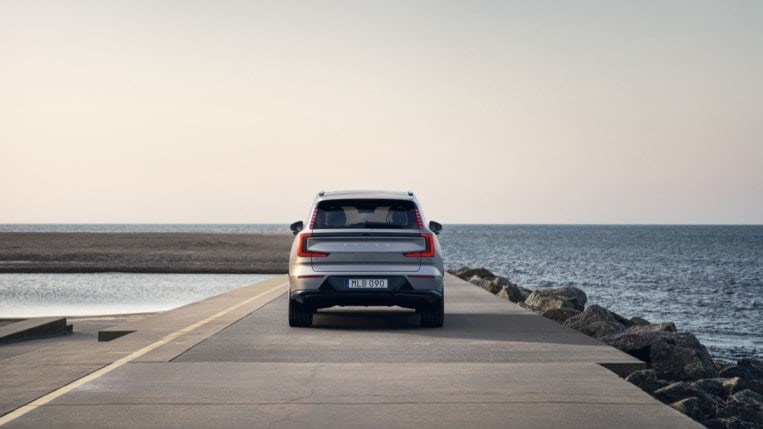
(296, 227)
(435, 227)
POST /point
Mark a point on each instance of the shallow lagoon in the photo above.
(38, 295)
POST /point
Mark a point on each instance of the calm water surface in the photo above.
(36, 295)
(706, 279)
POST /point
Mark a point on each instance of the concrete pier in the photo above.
(232, 361)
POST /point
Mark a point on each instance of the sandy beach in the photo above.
(144, 252)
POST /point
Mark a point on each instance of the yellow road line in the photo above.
(13, 415)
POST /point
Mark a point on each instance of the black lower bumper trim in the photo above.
(407, 299)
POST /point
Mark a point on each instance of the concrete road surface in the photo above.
(233, 362)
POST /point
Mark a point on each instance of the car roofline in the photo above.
(365, 194)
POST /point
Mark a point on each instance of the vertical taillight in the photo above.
(428, 251)
(419, 222)
(302, 248)
(312, 218)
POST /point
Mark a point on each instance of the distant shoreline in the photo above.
(197, 253)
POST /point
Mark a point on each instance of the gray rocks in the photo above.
(720, 387)
(741, 384)
(748, 397)
(514, 293)
(746, 406)
(716, 402)
(486, 284)
(694, 408)
(467, 273)
(682, 390)
(748, 369)
(653, 327)
(677, 361)
(712, 402)
(727, 423)
(673, 355)
(497, 285)
(680, 371)
(596, 321)
(646, 380)
(543, 299)
(560, 315)
(563, 297)
(638, 321)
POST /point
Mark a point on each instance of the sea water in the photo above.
(706, 279)
(89, 294)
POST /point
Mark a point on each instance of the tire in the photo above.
(300, 315)
(433, 316)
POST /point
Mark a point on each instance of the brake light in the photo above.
(312, 218)
(419, 222)
(302, 248)
(428, 252)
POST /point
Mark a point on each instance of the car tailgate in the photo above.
(366, 251)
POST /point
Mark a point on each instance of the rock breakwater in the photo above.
(680, 371)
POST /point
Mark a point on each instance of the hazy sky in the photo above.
(492, 111)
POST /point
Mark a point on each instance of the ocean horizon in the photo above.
(708, 279)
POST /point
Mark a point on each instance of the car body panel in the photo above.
(358, 251)
(335, 253)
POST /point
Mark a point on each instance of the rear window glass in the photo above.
(382, 214)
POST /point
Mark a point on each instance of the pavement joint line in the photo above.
(15, 414)
(288, 403)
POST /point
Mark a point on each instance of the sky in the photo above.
(615, 112)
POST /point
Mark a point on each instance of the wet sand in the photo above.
(144, 253)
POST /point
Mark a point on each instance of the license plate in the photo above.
(365, 283)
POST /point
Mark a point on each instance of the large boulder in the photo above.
(682, 390)
(693, 407)
(467, 273)
(727, 423)
(535, 310)
(563, 297)
(715, 402)
(646, 380)
(737, 384)
(703, 406)
(486, 284)
(720, 387)
(638, 321)
(748, 369)
(746, 406)
(560, 314)
(748, 397)
(679, 362)
(494, 285)
(673, 355)
(653, 327)
(596, 321)
(513, 293)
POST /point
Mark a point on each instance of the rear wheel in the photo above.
(433, 315)
(300, 315)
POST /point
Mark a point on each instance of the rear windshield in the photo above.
(388, 214)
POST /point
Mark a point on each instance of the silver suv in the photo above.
(366, 248)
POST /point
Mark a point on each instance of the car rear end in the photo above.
(365, 249)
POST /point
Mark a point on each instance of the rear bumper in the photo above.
(403, 290)
(408, 299)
